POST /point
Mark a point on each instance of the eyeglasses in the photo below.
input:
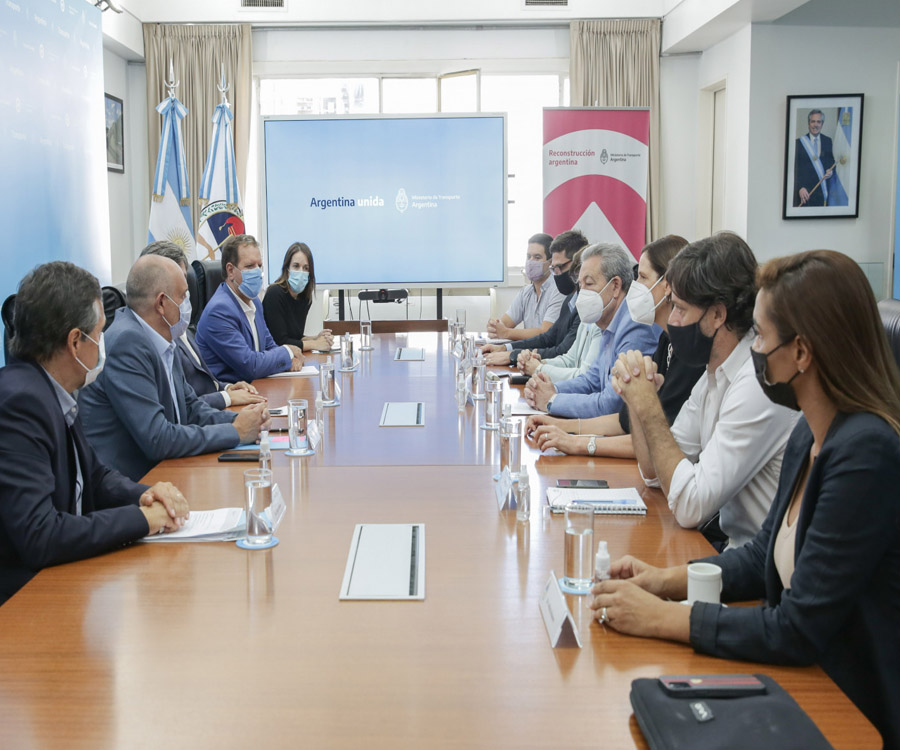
(559, 268)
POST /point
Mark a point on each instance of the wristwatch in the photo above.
(592, 445)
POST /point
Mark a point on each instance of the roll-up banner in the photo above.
(596, 162)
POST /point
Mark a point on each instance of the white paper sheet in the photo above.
(306, 372)
(220, 525)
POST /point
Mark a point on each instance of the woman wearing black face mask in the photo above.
(827, 559)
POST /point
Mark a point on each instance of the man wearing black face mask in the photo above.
(558, 339)
(723, 453)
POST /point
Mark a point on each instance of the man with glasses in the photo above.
(558, 339)
(141, 410)
(538, 303)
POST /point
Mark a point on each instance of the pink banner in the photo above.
(595, 174)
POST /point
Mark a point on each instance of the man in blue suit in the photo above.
(58, 502)
(141, 410)
(216, 394)
(232, 334)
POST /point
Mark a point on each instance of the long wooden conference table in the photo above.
(208, 645)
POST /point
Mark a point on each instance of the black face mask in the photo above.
(565, 283)
(691, 345)
(778, 393)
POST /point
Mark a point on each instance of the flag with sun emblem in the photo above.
(221, 214)
(170, 212)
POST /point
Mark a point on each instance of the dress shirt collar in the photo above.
(617, 318)
(163, 347)
(247, 307)
(734, 361)
(67, 404)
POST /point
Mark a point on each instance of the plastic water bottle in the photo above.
(461, 390)
(523, 501)
(601, 563)
(265, 450)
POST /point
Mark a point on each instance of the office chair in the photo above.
(890, 319)
(8, 314)
(209, 277)
(113, 299)
(194, 291)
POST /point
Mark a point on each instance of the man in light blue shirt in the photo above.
(605, 276)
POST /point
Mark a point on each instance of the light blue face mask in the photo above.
(251, 282)
(178, 328)
(298, 280)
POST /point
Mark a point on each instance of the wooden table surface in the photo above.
(208, 645)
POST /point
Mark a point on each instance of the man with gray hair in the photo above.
(605, 276)
(141, 410)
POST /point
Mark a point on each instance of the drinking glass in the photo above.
(579, 546)
(365, 335)
(326, 383)
(257, 499)
(298, 413)
(493, 391)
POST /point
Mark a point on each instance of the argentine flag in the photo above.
(221, 214)
(170, 213)
(843, 172)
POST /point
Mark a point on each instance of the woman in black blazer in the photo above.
(827, 559)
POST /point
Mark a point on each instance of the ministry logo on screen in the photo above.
(401, 202)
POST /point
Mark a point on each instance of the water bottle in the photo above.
(523, 502)
(265, 450)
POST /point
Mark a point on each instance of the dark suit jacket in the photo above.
(557, 339)
(843, 608)
(37, 485)
(198, 376)
(128, 412)
(805, 174)
(226, 342)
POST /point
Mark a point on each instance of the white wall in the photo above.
(730, 60)
(865, 60)
(678, 103)
(115, 82)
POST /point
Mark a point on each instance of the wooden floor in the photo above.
(207, 645)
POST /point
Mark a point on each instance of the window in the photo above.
(318, 96)
(409, 96)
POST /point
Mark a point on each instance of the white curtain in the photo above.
(616, 64)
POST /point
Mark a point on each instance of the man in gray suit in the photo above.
(141, 410)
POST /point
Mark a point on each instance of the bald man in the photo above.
(140, 409)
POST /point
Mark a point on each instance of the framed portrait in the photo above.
(821, 164)
(115, 135)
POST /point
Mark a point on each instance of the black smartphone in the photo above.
(712, 685)
(594, 484)
(518, 379)
(240, 456)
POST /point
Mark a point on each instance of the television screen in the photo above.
(388, 201)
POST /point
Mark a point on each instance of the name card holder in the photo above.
(502, 488)
(557, 618)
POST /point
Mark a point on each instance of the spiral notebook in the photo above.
(605, 501)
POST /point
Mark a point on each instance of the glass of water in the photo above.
(461, 316)
(257, 500)
(326, 383)
(365, 335)
(579, 546)
(493, 391)
(511, 445)
(298, 413)
(478, 379)
(347, 359)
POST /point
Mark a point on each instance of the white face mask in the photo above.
(93, 372)
(640, 302)
(590, 304)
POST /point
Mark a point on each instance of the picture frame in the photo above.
(821, 175)
(115, 134)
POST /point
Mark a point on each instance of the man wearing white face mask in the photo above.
(141, 409)
(605, 277)
(538, 303)
(59, 502)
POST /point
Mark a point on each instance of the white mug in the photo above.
(704, 583)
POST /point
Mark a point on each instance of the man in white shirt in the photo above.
(538, 303)
(723, 453)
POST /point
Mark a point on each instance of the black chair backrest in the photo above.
(209, 277)
(8, 313)
(113, 299)
(196, 302)
(890, 318)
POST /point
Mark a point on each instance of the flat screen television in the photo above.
(388, 201)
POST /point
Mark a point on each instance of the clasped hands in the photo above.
(497, 329)
(538, 391)
(164, 507)
(634, 376)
